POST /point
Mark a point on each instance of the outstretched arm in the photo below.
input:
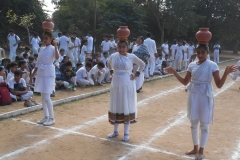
(220, 81)
(182, 80)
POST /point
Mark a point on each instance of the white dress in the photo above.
(200, 94)
(123, 97)
(45, 79)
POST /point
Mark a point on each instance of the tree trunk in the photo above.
(235, 47)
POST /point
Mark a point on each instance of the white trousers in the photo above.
(76, 56)
(47, 105)
(179, 62)
(151, 65)
(83, 82)
(73, 81)
(35, 51)
(12, 54)
(71, 57)
(216, 57)
(106, 74)
(195, 133)
(140, 79)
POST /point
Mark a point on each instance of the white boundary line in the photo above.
(76, 128)
(176, 122)
(92, 122)
(236, 154)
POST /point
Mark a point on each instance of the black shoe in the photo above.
(53, 94)
(14, 100)
(138, 91)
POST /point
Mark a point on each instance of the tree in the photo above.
(24, 21)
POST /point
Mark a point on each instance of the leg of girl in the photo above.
(46, 99)
(115, 132)
(45, 110)
(126, 131)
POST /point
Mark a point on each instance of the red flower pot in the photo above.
(123, 32)
(48, 24)
(203, 35)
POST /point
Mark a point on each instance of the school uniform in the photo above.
(63, 41)
(158, 67)
(173, 48)
(90, 44)
(114, 44)
(106, 46)
(98, 78)
(190, 50)
(69, 77)
(105, 70)
(21, 55)
(200, 99)
(186, 58)
(83, 53)
(70, 53)
(9, 76)
(151, 44)
(216, 53)
(179, 56)
(20, 86)
(81, 75)
(165, 48)
(235, 74)
(13, 40)
(35, 44)
(76, 50)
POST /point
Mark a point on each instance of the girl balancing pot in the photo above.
(48, 25)
(203, 35)
(123, 33)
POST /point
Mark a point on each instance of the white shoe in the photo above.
(42, 120)
(114, 134)
(49, 122)
(125, 138)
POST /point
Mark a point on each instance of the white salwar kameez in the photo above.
(201, 99)
(123, 98)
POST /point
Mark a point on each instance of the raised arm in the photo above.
(182, 80)
(220, 81)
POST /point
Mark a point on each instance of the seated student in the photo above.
(105, 70)
(18, 58)
(5, 63)
(25, 57)
(87, 60)
(78, 66)
(61, 55)
(24, 68)
(69, 76)
(18, 87)
(3, 77)
(158, 61)
(26, 50)
(62, 64)
(96, 76)
(13, 66)
(82, 76)
(31, 64)
(35, 56)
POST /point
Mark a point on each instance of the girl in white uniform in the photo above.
(200, 95)
(45, 78)
(123, 98)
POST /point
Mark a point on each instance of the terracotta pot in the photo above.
(48, 24)
(203, 35)
(123, 32)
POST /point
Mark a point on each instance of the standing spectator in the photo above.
(35, 41)
(179, 53)
(63, 42)
(90, 42)
(151, 44)
(216, 52)
(132, 44)
(77, 43)
(114, 44)
(70, 52)
(172, 49)
(165, 48)
(106, 45)
(13, 40)
(84, 50)
(57, 39)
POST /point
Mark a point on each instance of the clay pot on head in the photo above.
(203, 35)
(123, 33)
(48, 24)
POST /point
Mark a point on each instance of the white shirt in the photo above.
(78, 44)
(90, 44)
(217, 46)
(185, 48)
(10, 76)
(84, 49)
(94, 70)
(12, 40)
(1, 79)
(63, 40)
(81, 73)
(12, 82)
(71, 51)
(151, 44)
(173, 48)
(104, 60)
(165, 48)
(35, 43)
(179, 50)
(191, 50)
(159, 61)
(106, 45)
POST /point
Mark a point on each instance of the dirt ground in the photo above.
(161, 133)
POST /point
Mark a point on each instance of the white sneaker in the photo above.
(49, 122)
(126, 138)
(42, 120)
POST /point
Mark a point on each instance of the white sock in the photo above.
(126, 131)
(115, 132)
